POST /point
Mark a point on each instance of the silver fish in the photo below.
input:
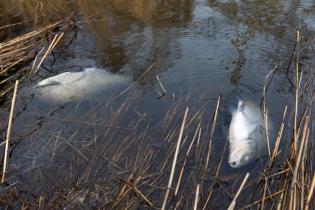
(71, 86)
(247, 139)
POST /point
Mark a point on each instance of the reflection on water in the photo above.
(139, 33)
(199, 47)
(113, 24)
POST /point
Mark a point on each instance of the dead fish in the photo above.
(71, 86)
(247, 139)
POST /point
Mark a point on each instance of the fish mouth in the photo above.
(233, 164)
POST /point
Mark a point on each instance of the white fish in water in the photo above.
(71, 86)
(247, 135)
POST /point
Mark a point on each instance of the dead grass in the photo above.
(17, 53)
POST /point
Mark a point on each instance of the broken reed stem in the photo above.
(278, 173)
(180, 177)
(296, 92)
(197, 153)
(302, 182)
(146, 71)
(266, 131)
(197, 197)
(170, 181)
(257, 202)
(290, 61)
(277, 144)
(300, 79)
(123, 191)
(293, 189)
(161, 85)
(232, 205)
(264, 195)
(138, 192)
(52, 45)
(7, 142)
(283, 198)
(212, 131)
(266, 86)
(36, 58)
(263, 103)
(187, 153)
(28, 35)
(310, 193)
(216, 176)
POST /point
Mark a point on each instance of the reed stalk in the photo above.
(233, 203)
(8, 136)
(174, 161)
(296, 93)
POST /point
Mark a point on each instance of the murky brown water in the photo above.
(200, 49)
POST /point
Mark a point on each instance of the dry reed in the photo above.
(17, 53)
(8, 135)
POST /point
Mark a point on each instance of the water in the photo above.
(199, 49)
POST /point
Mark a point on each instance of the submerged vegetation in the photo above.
(112, 156)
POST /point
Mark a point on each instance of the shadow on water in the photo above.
(200, 49)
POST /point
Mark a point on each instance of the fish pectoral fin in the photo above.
(262, 130)
(241, 106)
(256, 133)
(49, 83)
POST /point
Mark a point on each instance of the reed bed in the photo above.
(18, 53)
(110, 163)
